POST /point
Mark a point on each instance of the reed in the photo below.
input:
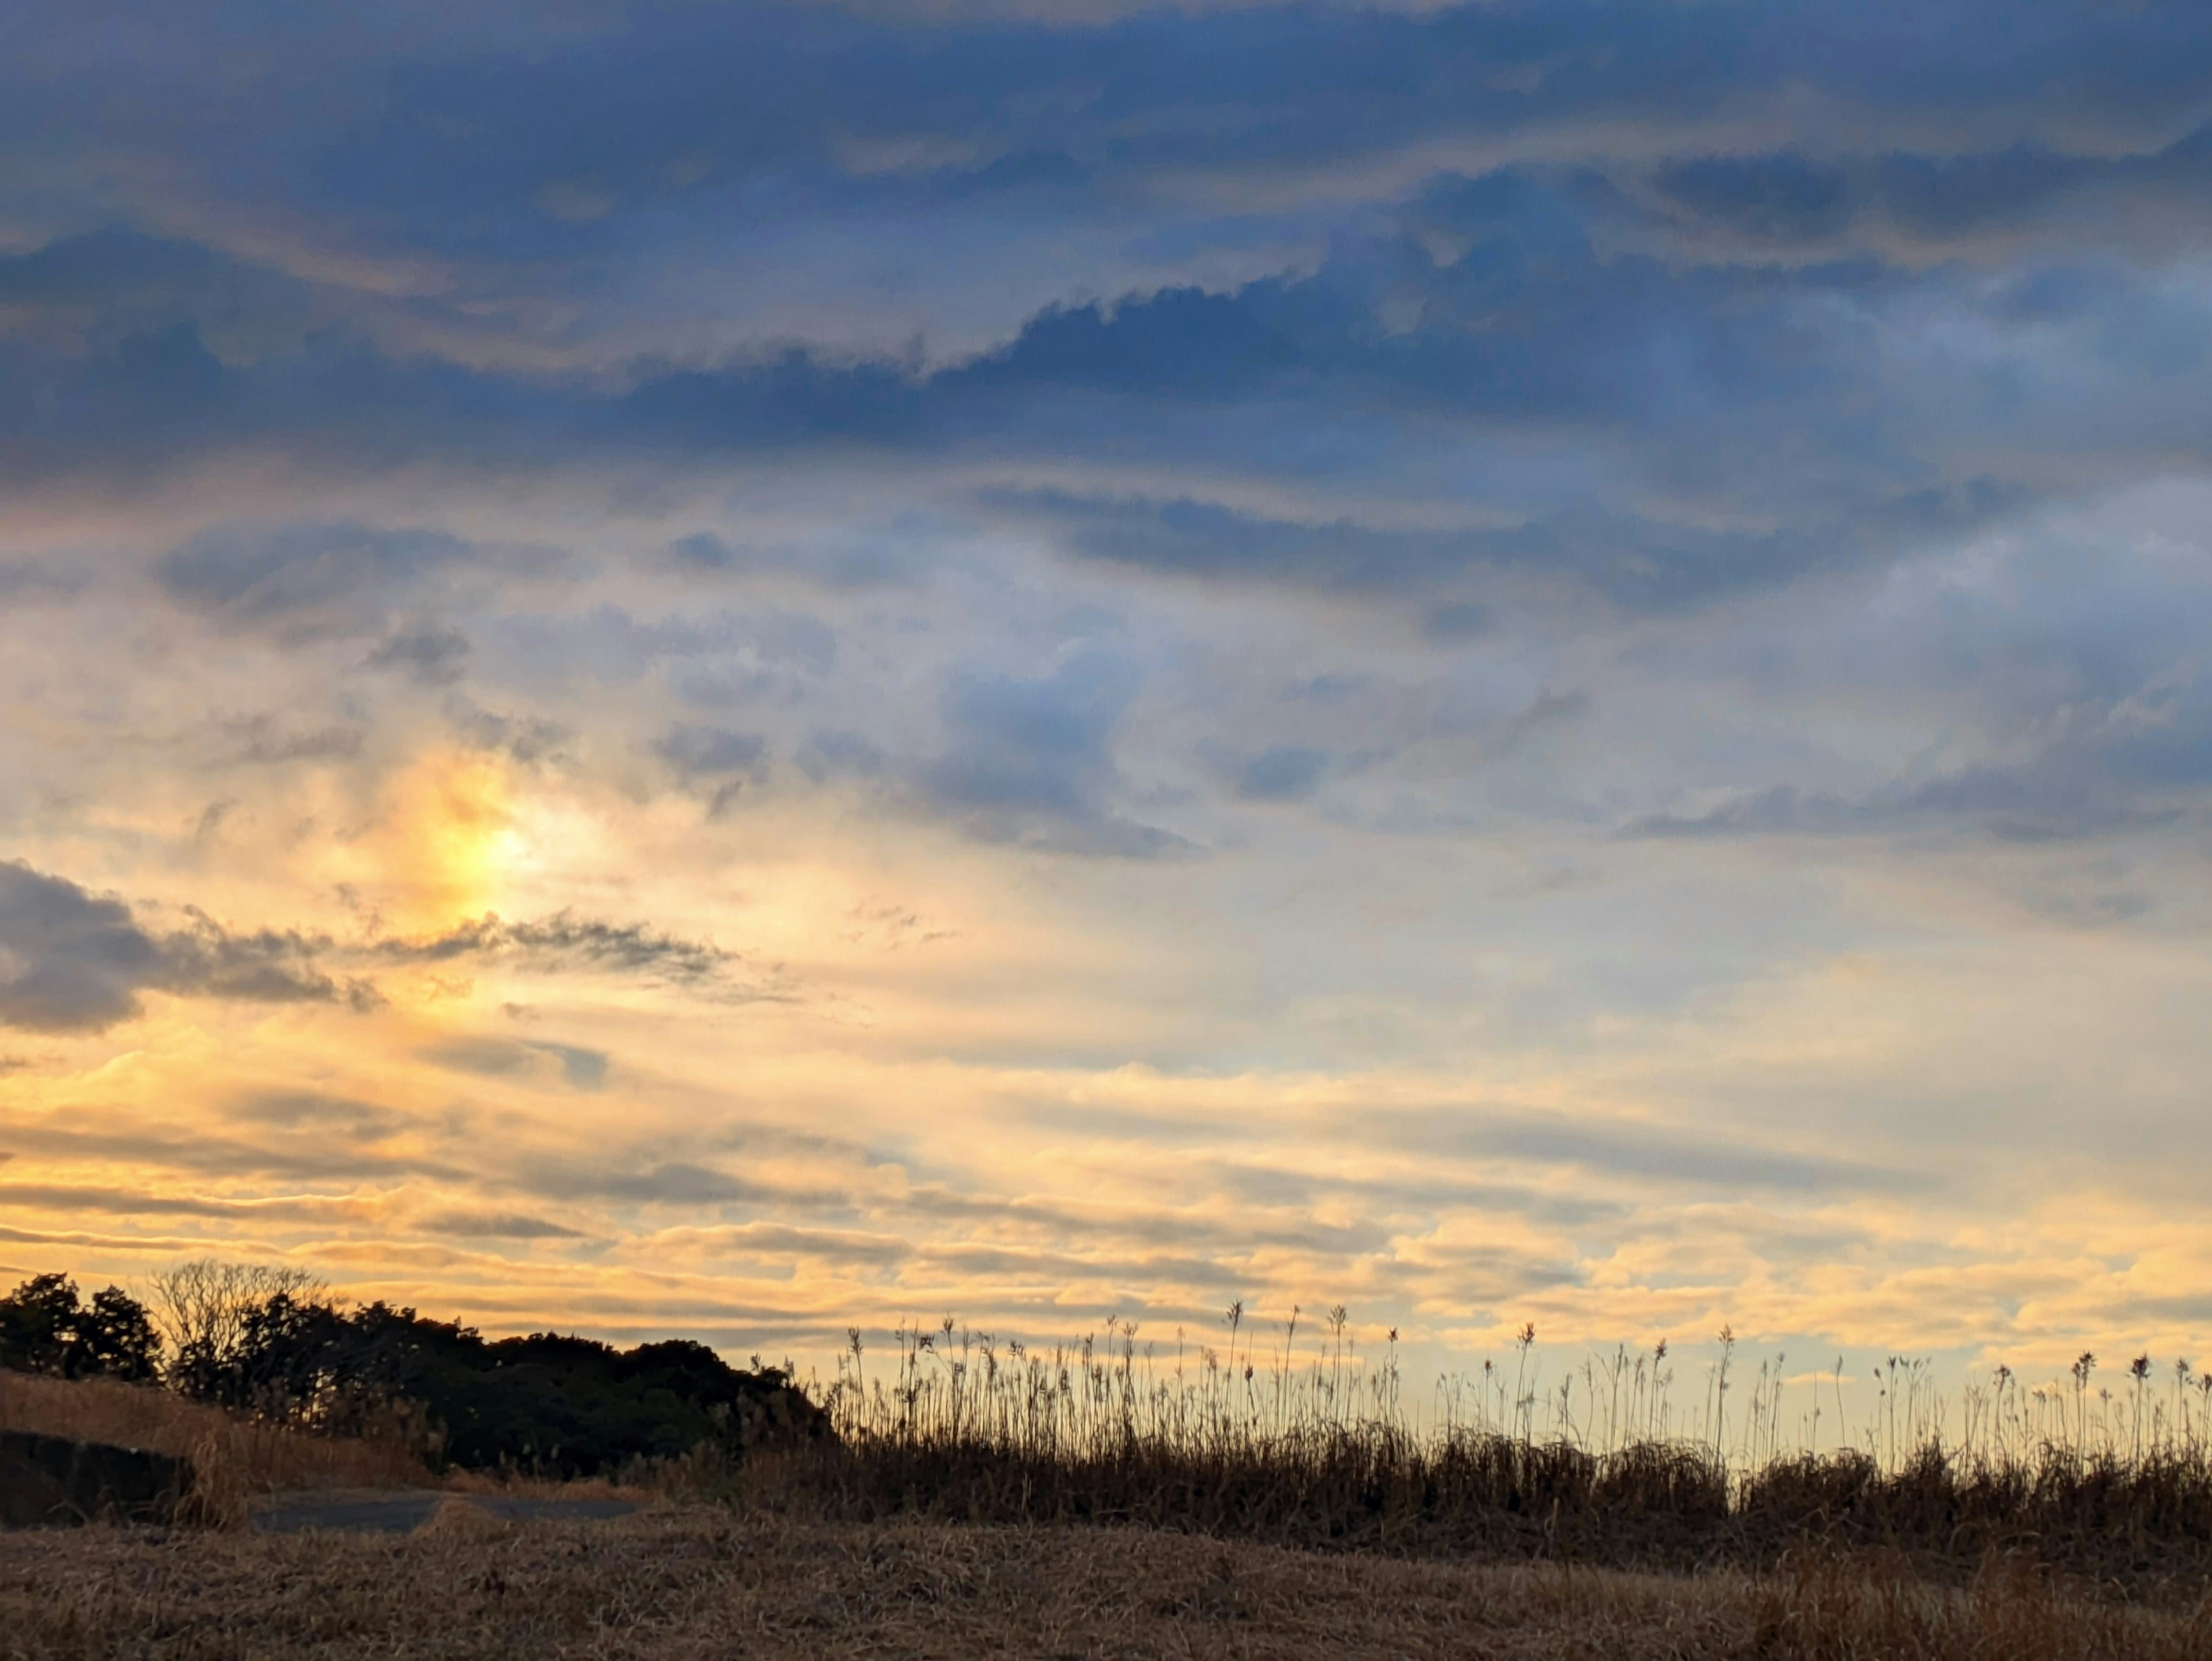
(1302, 1442)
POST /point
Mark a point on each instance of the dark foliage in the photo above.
(45, 1328)
(2146, 1525)
(547, 1404)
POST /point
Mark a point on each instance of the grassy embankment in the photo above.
(233, 1455)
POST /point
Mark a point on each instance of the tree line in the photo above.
(272, 1342)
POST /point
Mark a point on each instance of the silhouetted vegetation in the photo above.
(46, 1327)
(1316, 1450)
(546, 1404)
(1310, 1447)
(272, 1347)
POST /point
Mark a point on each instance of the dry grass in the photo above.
(1316, 1450)
(233, 1458)
(2146, 1527)
(698, 1582)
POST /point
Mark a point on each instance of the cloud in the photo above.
(711, 751)
(1511, 320)
(1031, 761)
(2115, 766)
(1287, 772)
(783, 1239)
(73, 961)
(308, 1153)
(832, 755)
(675, 1182)
(259, 741)
(2032, 195)
(723, 760)
(494, 1226)
(253, 574)
(432, 655)
(565, 941)
(1646, 1152)
(320, 1114)
(78, 1197)
(454, 147)
(580, 1067)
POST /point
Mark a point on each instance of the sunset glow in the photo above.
(743, 671)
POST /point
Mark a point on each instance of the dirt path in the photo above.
(404, 1511)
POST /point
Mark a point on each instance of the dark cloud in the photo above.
(711, 751)
(259, 740)
(28, 582)
(430, 654)
(783, 1239)
(2030, 194)
(1484, 313)
(565, 941)
(528, 738)
(318, 1114)
(1288, 772)
(1061, 1267)
(295, 1149)
(71, 960)
(95, 288)
(1190, 1230)
(720, 762)
(283, 572)
(2128, 764)
(467, 141)
(1513, 320)
(1783, 196)
(828, 755)
(1031, 761)
(123, 1201)
(1636, 1151)
(847, 565)
(1455, 621)
(581, 1069)
(675, 1182)
(1640, 563)
(494, 1226)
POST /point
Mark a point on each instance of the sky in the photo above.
(738, 671)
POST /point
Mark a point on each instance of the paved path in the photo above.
(403, 1511)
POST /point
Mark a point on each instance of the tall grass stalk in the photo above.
(1304, 1439)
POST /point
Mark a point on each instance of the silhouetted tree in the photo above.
(38, 1324)
(205, 1307)
(116, 1337)
(44, 1328)
(268, 1341)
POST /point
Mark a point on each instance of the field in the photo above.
(689, 1581)
(1095, 1500)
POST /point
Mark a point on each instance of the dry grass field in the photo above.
(1076, 1508)
(692, 1581)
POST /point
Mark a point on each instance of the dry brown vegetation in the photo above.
(698, 1581)
(234, 1457)
(1314, 1451)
